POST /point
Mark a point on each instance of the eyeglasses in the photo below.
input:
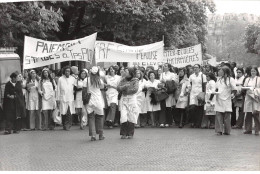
(196, 67)
(239, 72)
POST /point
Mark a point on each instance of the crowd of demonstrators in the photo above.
(220, 98)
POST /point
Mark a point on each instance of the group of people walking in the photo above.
(219, 98)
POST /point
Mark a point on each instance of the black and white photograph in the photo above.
(129, 85)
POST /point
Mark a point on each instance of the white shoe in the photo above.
(167, 125)
(161, 125)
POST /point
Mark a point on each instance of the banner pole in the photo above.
(23, 55)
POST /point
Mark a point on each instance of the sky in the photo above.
(237, 6)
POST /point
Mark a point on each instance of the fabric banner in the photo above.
(115, 52)
(183, 57)
(212, 62)
(39, 52)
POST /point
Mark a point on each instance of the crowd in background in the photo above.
(220, 98)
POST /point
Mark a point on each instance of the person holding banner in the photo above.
(128, 104)
(112, 80)
(33, 101)
(65, 97)
(167, 77)
(47, 87)
(96, 104)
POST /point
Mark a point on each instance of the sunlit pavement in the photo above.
(150, 149)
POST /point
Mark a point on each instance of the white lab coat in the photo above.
(111, 93)
(196, 86)
(65, 94)
(223, 99)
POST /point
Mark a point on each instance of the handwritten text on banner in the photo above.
(183, 57)
(39, 52)
(114, 52)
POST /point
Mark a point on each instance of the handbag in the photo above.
(210, 109)
(160, 94)
(86, 95)
(56, 115)
(201, 95)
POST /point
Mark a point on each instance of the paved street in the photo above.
(151, 149)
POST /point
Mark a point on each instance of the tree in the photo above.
(252, 38)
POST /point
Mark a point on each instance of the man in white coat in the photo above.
(65, 97)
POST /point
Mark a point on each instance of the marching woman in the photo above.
(33, 101)
(14, 105)
(112, 80)
(198, 85)
(153, 109)
(78, 97)
(182, 96)
(141, 99)
(226, 89)
(65, 97)
(239, 100)
(252, 105)
(128, 104)
(166, 111)
(95, 105)
(47, 89)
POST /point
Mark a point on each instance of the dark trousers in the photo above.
(233, 115)
(208, 121)
(117, 117)
(127, 129)
(95, 123)
(248, 121)
(196, 115)
(165, 114)
(220, 119)
(13, 125)
(240, 119)
(67, 120)
(47, 120)
(179, 116)
(155, 117)
(112, 112)
(143, 119)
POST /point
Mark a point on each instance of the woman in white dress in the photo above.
(33, 101)
(152, 109)
(78, 98)
(166, 108)
(226, 88)
(47, 87)
(208, 120)
(198, 84)
(252, 99)
(141, 100)
(128, 106)
(182, 96)
(95, 107)
(111, 82)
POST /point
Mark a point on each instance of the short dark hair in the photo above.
(240, 69)
(198, 65)
(151, 72)
(64, 69)
(13, 75)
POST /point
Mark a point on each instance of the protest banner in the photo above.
(39, 52)
(115, 52)
(183, 57)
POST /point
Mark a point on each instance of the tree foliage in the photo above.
(131, 22)
(252, 38)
